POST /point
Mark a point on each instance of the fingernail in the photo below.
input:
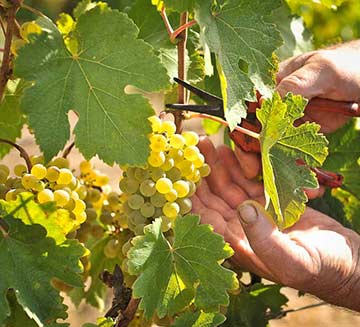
(247, 213)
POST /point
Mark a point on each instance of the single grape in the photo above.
(28, 28)
(121, 219)
(93, 195)
(5, 169)
(141, 174)
(158, 143)
(205, 170)
(163, 185)
(156, 159)
(199, 161)
(70, 206)
(191, 153)
(38, 186)
(191, 138)
(147, 210)
(186, 167)
(79, 206)
(192, 188)
(156, 173)
(195, 176)
(158, 200)
(61, 197)
(28, 181)
(182, 188)
(19, 170)
(81, 190)
(168, 164)
(113, 198)
(177, 141)
(37, 159)
(65, 176)
(185, 205)
(147, 188)
(168, 127)
(39, 171)
(177, 155)
(128, 185)
(136, 218)
(52, 174)
(165, 224)
(91, 214)
(172, 195)
(10, 195)
(174, 174)
(97, 231)
(106, 218)
(60, 162)
(112, 248)
(155, 123)
(135, 201)
(171, 209)
(45, 195)
(139, 229)
(3, 177)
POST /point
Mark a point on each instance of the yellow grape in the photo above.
(38, 186)
(39, 171)
(182, 188)
(165, 224)
(61, 197)
(156, 159)
(155, 123)
(177, 141)
(52, 174)
(19, 170)
(186, 167)
(163, 185)
(158, 143)
(28, 181)
(168, 164)
(82, 192)
(10, 195)
(45, 195)
(65, 176)
(37, 159)
(85, 167)
(168, 127)
(79, 206)
(177, 155)
(199, 161)
(171, 209)
(205, 170)
(185, 205)
(60, 162)
(172, 195)
(191, 138)
(191, 153)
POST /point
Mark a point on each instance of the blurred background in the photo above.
(328, 25)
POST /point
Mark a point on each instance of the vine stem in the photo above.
(179, 30)
(5, 69)
(68, 150)
(22, 151)
(285, 312)
(225, 123)
(128, 314)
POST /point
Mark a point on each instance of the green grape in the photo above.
(177, 141)
(70, 205)
(60, 162)
(147, 210)
(163, 185)
(182, 188)
(171, 209)
(38, 186)
(5, 169)
(126, 208)
(168, 127)
(191, 138)
(113, 198)
(112, 248)
(139, 229)
(135, 201)
(45, 195)
(158, 143)
(156, 124)
(147, 188)
(81, 190)
(79, 207)
(136, 218)
(172, 195)
(19, 170)
(97, 231)
(158, 212)
(141, 174)
(93, 195)
(121, 219)
(156, 159)
(90, 214)
(185, 205)
(168, 164)
(191, 153)
(61, 197)
(199, 161)
(165, 224)
(39, 171)
(174, 174)
(65, 176)
(37, 159)
(16, 182)
(128, 185)
(74, 183)
(3, 190)
(156, 173)
(192, 188)
(106, 218)
(158, 200)
(28, 181)
(186, 167)
(10, 195)
(52, 174)
(126, 247)
(205, 170)
(3, 177)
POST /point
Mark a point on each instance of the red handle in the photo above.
(343, 107)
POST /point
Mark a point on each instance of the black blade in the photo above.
(202, 109)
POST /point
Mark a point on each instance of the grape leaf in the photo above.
(29, 262)
(172, 276)
(57, 223)
(91, 82)
(11, 117)
(101, 322)
(281, 145)
(199, 319)
(244, 43)
(249, 308)
(95, 292)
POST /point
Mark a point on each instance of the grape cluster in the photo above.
(54, 183)
(163, 188)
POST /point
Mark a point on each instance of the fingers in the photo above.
(284, 258)
(315, 193)
(250, 163)
(307, 81)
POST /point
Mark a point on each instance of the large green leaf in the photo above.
(91, 82)
(11, 116)
(171, 276)
(29, 261)
(199, 319)
(244, 44)
(249, 308)
(281, 145)
(58, 223)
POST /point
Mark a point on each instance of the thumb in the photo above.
(306, 81)
(275, 249)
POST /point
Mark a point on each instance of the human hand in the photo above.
(332, 73)
(317, 254)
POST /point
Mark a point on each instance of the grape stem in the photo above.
(225, 123)
(22, 151)
(68, 150)
(282, 314)
(125, 317)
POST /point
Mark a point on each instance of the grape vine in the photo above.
(67, 231)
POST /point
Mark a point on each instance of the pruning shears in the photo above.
(214, 106)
